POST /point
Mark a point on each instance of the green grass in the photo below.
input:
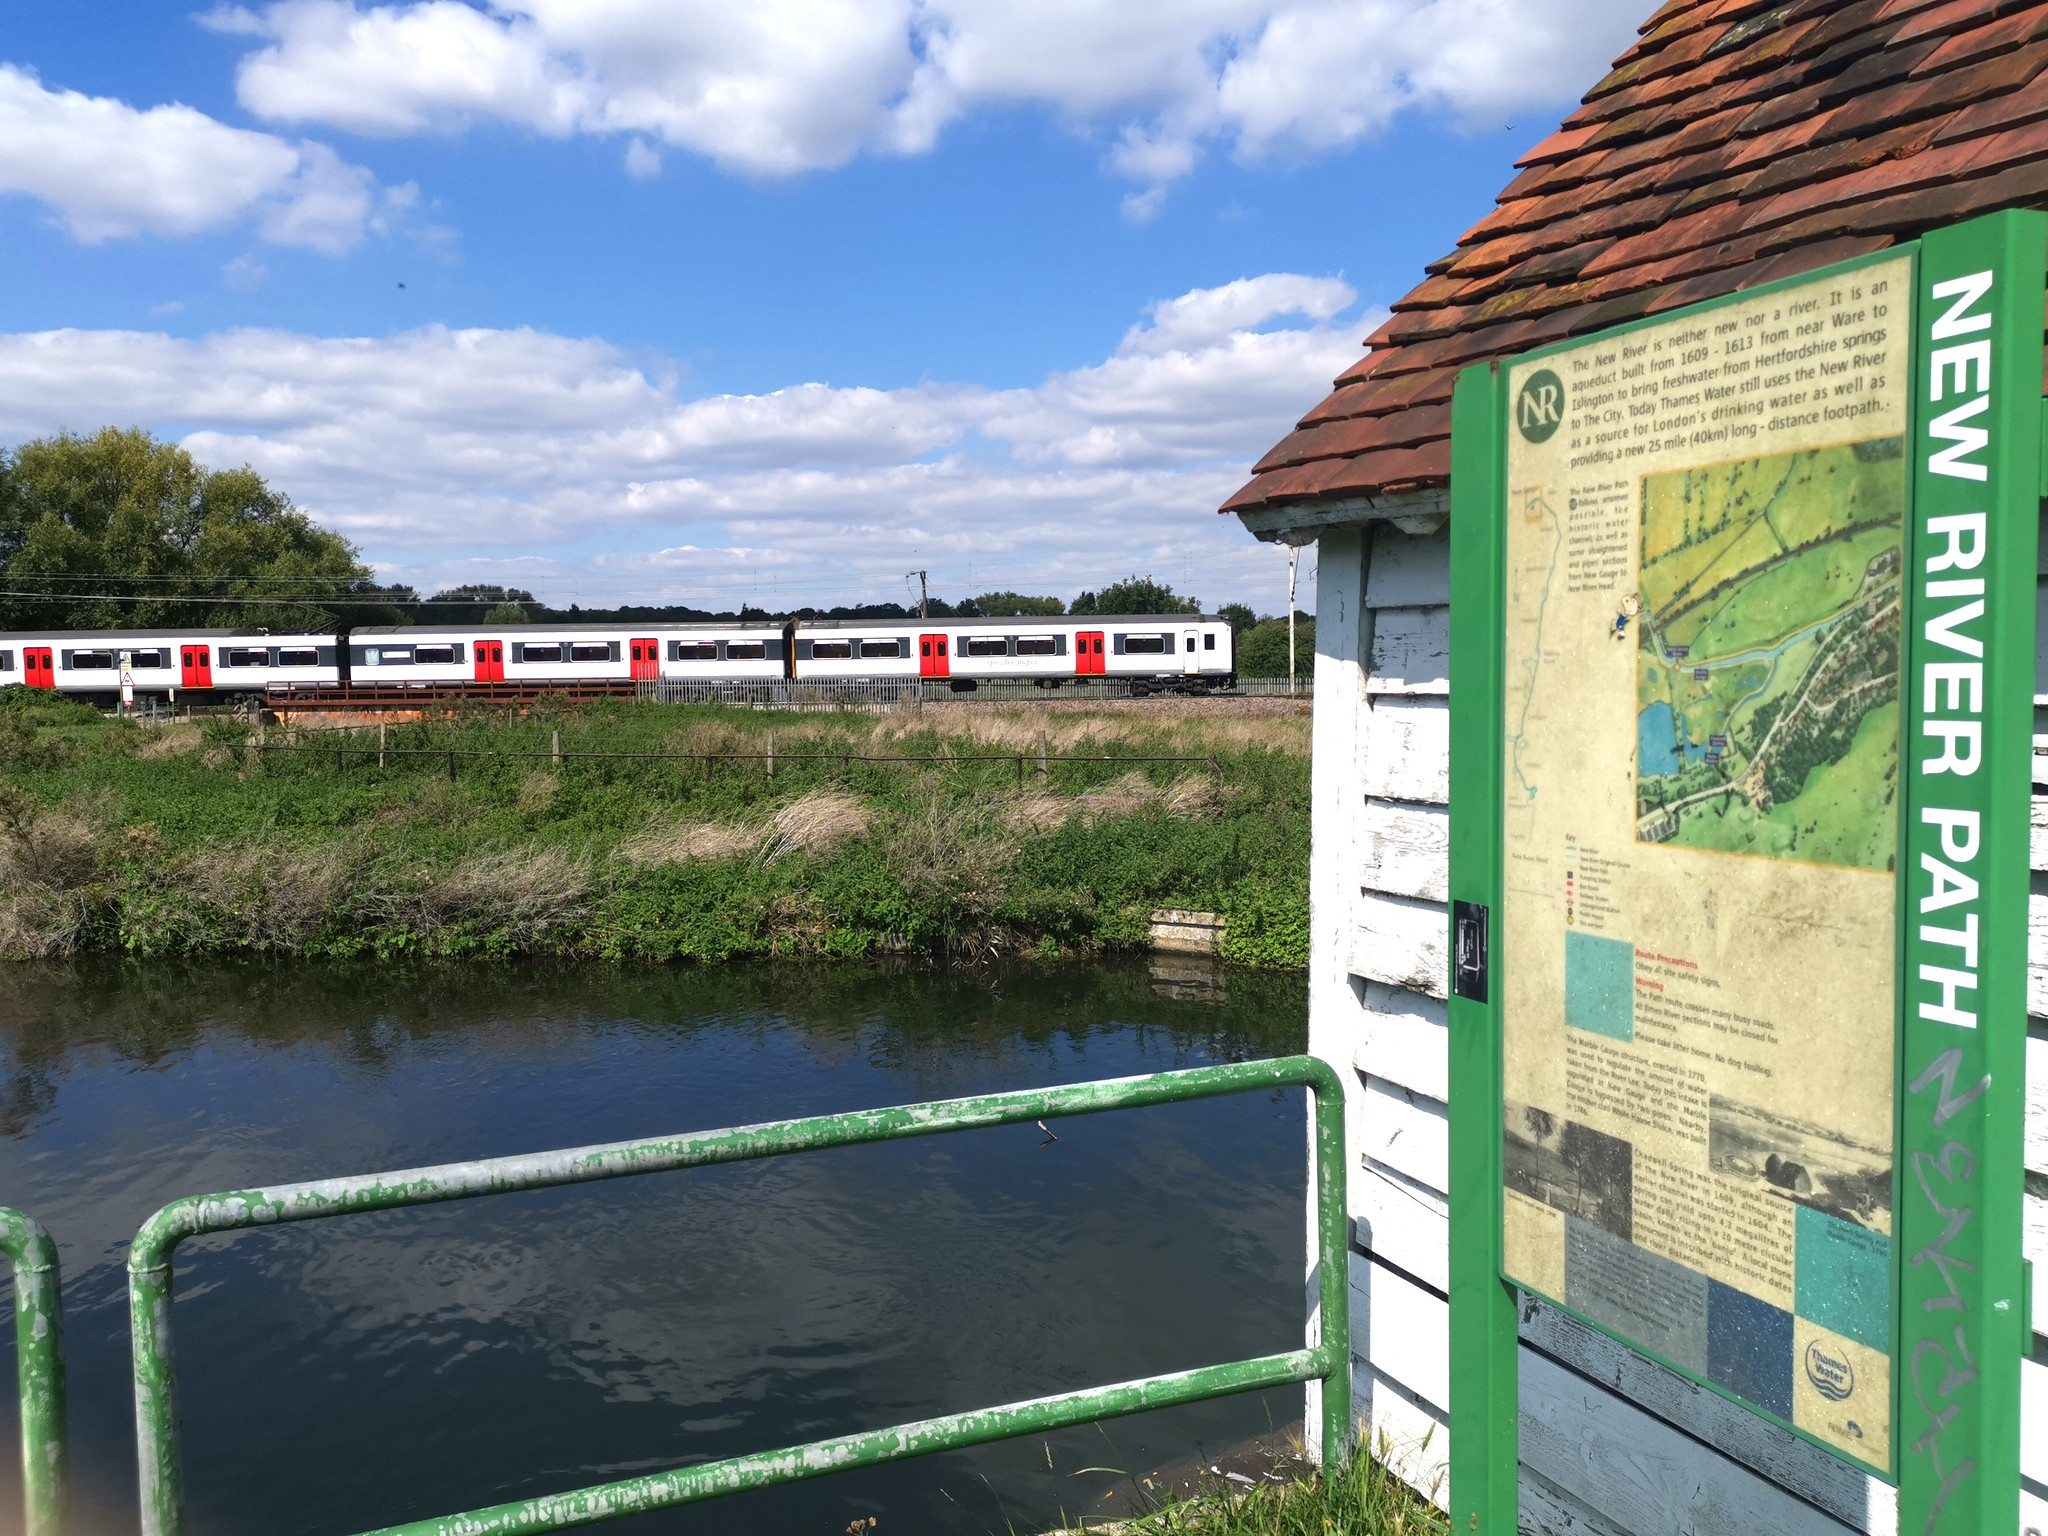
(186, 841)
(1361, 1499)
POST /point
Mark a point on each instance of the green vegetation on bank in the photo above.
(183, 840)
(1362, 1498)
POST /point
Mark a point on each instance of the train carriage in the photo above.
(1148, 652)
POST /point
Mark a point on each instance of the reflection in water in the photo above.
(345, 1374)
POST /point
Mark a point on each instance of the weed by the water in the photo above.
(471, 835)
(1361, 1498)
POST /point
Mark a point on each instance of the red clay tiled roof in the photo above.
(1737, 141)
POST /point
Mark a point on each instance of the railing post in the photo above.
(39, 1359)
(1333, 1266)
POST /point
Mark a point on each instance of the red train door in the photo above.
(646, 658)
(490, 661)
(1088, 654)
(932, 660)
(195, 666)
(38, 668)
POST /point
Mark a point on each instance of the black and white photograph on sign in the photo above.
(1801, 1161)
(1571, 1168)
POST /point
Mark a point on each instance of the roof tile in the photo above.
(1358, 434)
(1564, 142)
(2024, 105)
(1737, 142)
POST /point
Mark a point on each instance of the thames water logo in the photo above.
(1539, 408)
(1830, 1372)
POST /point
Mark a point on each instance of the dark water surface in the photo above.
(341, 1375)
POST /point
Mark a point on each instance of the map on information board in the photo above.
(1701, 750)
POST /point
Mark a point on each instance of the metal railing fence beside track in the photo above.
(150, 1261)
(39, 1362)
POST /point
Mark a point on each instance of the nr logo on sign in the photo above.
(1539, 407)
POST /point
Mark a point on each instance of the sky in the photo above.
(675, 301)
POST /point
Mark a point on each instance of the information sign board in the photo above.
(1742, 655)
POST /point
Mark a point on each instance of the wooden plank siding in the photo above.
(1611, 1442)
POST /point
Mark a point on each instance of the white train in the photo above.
(1152, 653)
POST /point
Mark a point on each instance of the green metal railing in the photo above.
(1328, 1359)
(39, 1361)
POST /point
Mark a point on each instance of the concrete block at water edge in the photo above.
(1402, 1038)
(1407, 1131)
(1408, 751)
(1411, 652)
(1405, 850)
(1402, 942)
(1188, 933)
(1403, 1221)
(1408, 572)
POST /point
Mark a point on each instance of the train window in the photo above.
(693, 650)
(1208, 642)
(391, 656)
(147, 660)
(745, 650)
(6, 661)
(427, 655)
(298, 658)
(82, 661)
(1035, 645)
(993, 645)
(831, 650)
(1144, 645)
(244, 656)
(1191, 642)
(593, 651)
(531, 651)
(884, 647)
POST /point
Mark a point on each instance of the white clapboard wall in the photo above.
(1611, 1442)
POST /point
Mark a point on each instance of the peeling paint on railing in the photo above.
(1328, 1359)
(39, 1357)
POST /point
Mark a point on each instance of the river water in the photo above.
(341, 1375)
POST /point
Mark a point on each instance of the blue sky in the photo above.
(769, 304)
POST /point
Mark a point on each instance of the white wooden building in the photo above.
(1648, 197)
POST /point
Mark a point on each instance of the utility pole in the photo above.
(1293, 554)
(924, 597)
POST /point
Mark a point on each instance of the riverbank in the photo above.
(933, 831)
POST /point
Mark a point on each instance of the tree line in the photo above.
(117, 529)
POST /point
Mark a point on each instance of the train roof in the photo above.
(1015, 621)
(573, 627)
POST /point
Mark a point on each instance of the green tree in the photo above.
(1135, 594)
(507, 613)
(118, 529)
(1240, 615)
(1262, 649)
(1004, 605)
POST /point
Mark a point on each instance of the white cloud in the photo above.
(780, 86)
(108, 171)
(453, 454)
(641, 161)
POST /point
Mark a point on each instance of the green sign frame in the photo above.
(1973, 487)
